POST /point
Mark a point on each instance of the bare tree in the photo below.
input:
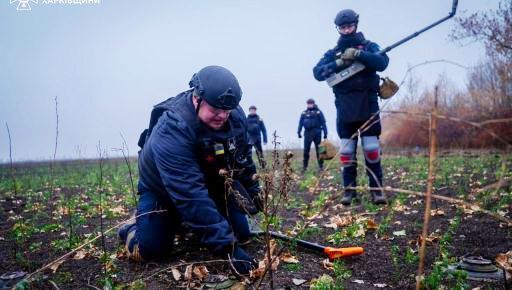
(493, 28)
(490, 82)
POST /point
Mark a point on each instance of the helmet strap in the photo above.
(199, 101)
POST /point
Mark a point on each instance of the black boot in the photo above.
(378, 197)
(348, 197)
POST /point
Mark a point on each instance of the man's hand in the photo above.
(298, 134)
(240, 262)
(325, 136)
(350, 54)
(343, 62)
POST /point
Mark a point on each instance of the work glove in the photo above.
(258, 201)
(350, 53)
(248, 203)
(298, 134)
(325, 136)
(343, 62)
(240, 262)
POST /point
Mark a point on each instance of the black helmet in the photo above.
(346, 16)
(252, 108)
(310, 101)
(217, 86)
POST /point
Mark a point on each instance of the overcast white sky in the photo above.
(110, 62)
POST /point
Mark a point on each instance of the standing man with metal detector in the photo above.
(350, 70)
(356, 102)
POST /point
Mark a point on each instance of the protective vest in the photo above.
(356, 96)
(311, 119)
(253, 125)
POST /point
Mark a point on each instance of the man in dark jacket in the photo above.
(256, 128)
(193, 141)
(313, 121)
(356, 101)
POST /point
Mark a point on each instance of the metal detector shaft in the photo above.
(332, 253)
(356, 67)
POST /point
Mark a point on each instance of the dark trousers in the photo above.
(373, 170)
(312, 136)
(154, 232)
(258, 147)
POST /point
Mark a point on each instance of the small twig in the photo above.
(130, 172)
(430, 62)
(56, 129)
(93, 287)
(100, 191)
(452, 200)
(11, 167)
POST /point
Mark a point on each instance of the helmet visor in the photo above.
(346, 28)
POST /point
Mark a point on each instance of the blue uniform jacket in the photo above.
(256, 128)
(171, 165)
(312, 120)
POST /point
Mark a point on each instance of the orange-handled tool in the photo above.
(336, 253)
(332, 253)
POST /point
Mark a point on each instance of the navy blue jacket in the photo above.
(356, 97)
(176, 164)
(255, 128)
(313, 121)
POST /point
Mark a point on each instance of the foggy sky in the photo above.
(109, 63)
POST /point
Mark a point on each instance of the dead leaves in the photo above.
(188, 273)
(80, 254)
(400, 207)
(363, 223)
(289, 258)
(371, 225)
(175, 274)
(56, 265)
(200, 272)
(118, 210)
(337, 221)
(328, 265)
(89, 251)
(263, 264)
(433, 237)
(437, 212)
(505, 261)
(470, 209)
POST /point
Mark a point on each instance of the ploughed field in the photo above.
(48, 210)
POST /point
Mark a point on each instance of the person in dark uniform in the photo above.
(193, 141)
(356, 102)
(256, 128)
(313, 121)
